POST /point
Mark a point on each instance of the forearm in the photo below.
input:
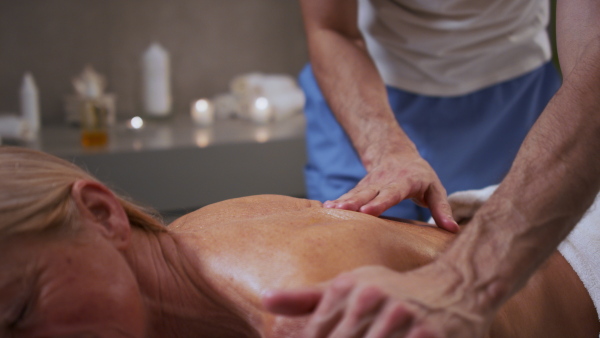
(554, 179)
(552, 182)
(354, 90)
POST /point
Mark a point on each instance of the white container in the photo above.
(30, 103)
(156, 82)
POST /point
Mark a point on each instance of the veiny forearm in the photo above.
(355, 91)
(554, 178)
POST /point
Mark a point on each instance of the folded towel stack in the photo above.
(277, 95)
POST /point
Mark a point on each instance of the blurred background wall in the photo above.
(209, 41)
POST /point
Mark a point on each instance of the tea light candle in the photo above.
(261, 111)
(136, 122)
(203, 112)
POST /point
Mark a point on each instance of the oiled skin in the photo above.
(248, 245)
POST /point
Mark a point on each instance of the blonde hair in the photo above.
(35, 194)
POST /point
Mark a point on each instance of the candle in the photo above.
(203, 112)
(136, 122)
(30, 104)
(156, 82)
(261, 111)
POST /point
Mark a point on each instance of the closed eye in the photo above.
(19, 315)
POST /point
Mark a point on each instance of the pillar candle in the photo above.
(156, 72)
(30, 104)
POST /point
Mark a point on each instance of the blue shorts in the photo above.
(470, 140)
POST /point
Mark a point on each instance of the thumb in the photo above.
(296, 302)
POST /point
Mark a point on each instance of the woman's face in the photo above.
(67, 286)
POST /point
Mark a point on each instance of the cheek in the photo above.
(93, 299)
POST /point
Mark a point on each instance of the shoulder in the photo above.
(256, 206)
(246, 208)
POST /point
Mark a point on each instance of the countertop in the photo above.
(173, 165)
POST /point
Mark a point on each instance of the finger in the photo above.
(362, 308)
(391, 195)
(421, 332)
(330, 309)
(395, 319)
(383, 201)
(441, 211)
(354, 199)
(292, 302)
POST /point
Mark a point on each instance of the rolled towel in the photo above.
(244, 85)
(276, 84)
(465, 203)
(258, 84)
(15, 128)
(226, 106)
(287, 104)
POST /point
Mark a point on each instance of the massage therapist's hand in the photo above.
(377, 302)
(393, 179)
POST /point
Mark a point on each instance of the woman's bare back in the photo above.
(252, 244)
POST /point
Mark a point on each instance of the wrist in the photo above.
(467, 296)
(390, 146)
(486, 258)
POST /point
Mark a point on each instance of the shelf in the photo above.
(168, 134)
(174, 165)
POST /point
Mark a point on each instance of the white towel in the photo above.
(581, 248)
(282, 93)
(226, 106)
(465, 203)
(15, 128)
(258, 84)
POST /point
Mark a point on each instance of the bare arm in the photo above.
(555, 176)
(348, 77)
(357, 95)
(552, 182)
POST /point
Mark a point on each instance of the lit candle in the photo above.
(136, 122)
(203, 112)
(261, 111)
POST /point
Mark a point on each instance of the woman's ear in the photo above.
(100, 209)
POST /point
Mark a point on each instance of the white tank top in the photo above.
(453, 47)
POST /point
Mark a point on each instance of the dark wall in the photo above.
(210, 41)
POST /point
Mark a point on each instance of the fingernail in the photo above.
(456, 226)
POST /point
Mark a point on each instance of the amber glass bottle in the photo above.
(94, 124)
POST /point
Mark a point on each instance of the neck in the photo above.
(178, 300)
